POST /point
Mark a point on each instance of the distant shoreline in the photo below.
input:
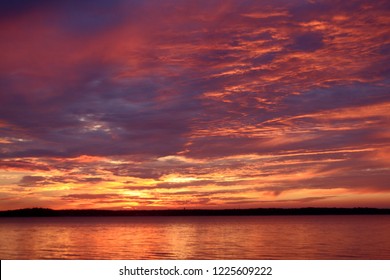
(45, 212)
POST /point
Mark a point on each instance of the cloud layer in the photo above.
(165, 104)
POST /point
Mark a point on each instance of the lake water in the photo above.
(231, 237)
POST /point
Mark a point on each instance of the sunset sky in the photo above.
(117, 104)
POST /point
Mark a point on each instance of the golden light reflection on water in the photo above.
(282, 237)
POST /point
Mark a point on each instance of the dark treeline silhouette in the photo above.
(45, 212)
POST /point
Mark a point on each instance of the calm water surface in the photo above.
(248, 237)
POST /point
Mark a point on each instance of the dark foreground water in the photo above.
(232, 237)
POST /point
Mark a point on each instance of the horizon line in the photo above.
(47, 212)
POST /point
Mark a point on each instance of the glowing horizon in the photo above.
(197, 104)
